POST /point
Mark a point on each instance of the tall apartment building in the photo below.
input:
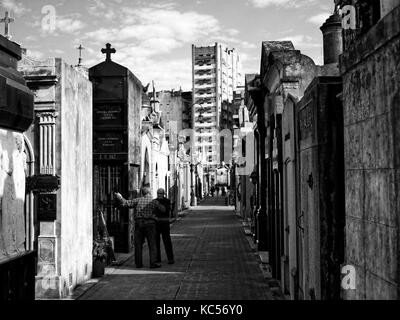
(216, 75)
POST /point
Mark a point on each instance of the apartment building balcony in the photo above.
(205, 115)
(204, 86)
(204, 67)
(209, 125)
(204, 59)
(204, 95)
(204, 76)
(204, 134)
(203, 105)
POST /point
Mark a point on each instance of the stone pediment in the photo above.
(108, 69)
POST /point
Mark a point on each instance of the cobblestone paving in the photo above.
(213, 262)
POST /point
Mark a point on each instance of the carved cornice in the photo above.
(42, 114)
(43, 183)
(35, 82)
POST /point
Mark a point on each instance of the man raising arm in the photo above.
(145, 224)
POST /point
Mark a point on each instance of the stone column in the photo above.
(333, 42)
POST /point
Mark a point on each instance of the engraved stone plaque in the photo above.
(47, 207)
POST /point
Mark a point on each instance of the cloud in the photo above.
(154, 31)
(57, 51)
(31, 38)
(35, 54)
(282, 3)
(250, 63)
(302, 41)
(184, 26)
(69, 24)
(14, 7)
(146, 37)
(247, 45)
(167, 74)
(236, 42)
(319, 19)
(99, 9)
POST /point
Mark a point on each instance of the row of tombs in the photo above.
(322, 201)
(68, 139)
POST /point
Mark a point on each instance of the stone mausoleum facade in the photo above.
(61, 181)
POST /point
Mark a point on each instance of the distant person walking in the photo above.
(145, 224)
(212, 191)
(163, 227)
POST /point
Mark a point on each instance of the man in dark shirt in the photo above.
(163, 227)
(145, 224)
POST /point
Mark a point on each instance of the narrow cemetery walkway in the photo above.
(213, 261)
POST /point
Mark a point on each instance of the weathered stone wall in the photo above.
(372, 147)
(17, 264)
(16, 115)
(388, 5)
(172, 108)
(289, 159)
(76, 178)
(44, 135)
(286, 73)
(320, 164)
(135, 90)
(12, 193)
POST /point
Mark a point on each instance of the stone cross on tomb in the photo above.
(7, 20)
(80, 48)
(108, 51)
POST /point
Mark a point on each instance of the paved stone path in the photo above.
(213, 262)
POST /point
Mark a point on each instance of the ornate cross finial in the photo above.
(7, 20)
(108, 51)
(80, 48)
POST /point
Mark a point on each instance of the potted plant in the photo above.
(99, 258)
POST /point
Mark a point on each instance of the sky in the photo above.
(153, 38)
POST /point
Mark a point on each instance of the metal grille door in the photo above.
(108, 179)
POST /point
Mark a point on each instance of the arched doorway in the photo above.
(31, 228)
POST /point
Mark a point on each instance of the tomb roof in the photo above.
(269, 46)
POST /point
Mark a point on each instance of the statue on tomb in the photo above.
(19, 178)
(12, 217)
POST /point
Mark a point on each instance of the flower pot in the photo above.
(98, 268)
